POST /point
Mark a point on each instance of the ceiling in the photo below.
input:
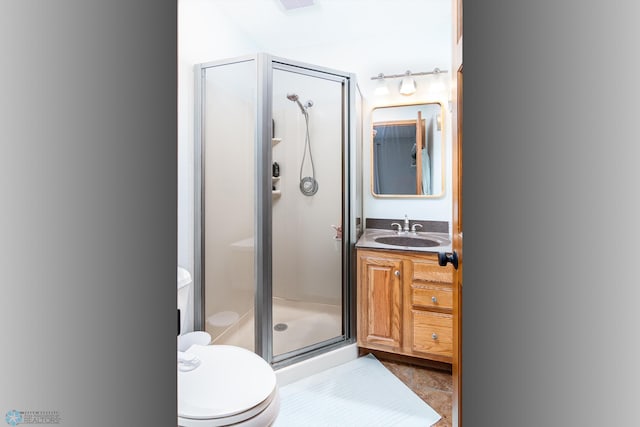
(362, 36)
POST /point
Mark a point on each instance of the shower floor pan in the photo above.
(297, 324)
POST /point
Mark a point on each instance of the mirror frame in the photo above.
(442, 151)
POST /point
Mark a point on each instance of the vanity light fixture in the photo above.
(381, 88)
(408, 85)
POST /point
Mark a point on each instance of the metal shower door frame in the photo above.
(263, 308)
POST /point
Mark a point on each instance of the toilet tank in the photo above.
(184, 286)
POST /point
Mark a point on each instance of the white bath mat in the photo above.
(360, 393)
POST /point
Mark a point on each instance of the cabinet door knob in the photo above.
(434, 336)
(434, 300)
(397, 273)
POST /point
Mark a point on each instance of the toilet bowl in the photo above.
(221, 385)
(230, 386)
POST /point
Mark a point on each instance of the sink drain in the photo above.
(280, 327)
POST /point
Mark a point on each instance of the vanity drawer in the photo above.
(432, 333)
(432, 295)
(432, 272)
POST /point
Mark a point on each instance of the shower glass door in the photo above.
(307, 209)
(227, 227)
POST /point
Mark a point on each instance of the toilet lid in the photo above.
(229, 381)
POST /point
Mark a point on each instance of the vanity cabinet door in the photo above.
(380, 302)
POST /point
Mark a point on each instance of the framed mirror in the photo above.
(407, 151)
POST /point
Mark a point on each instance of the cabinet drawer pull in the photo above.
(434, 336)
(397, 273)
(434, 300)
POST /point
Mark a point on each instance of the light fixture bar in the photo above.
(408, 73)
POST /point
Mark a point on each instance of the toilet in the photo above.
(221, 385)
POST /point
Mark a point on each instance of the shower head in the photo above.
(295, 98)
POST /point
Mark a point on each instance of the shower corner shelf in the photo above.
(274, 141)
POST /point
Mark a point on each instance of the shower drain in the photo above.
(280, 327)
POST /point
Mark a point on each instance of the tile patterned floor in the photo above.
(433, 386)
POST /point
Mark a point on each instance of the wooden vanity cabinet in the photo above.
(405, 304)
(380, 301)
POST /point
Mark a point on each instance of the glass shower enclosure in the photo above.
(278, 205)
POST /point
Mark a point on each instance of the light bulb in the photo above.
(381, 87)
(408, 86)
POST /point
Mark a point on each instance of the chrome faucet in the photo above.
(404, 230)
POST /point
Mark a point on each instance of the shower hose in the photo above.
(308, 184)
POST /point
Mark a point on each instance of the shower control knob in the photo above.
(434, 300)
(397, 273)
(434, 336)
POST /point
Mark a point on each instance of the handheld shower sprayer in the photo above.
(308, 184)
(295, 98)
